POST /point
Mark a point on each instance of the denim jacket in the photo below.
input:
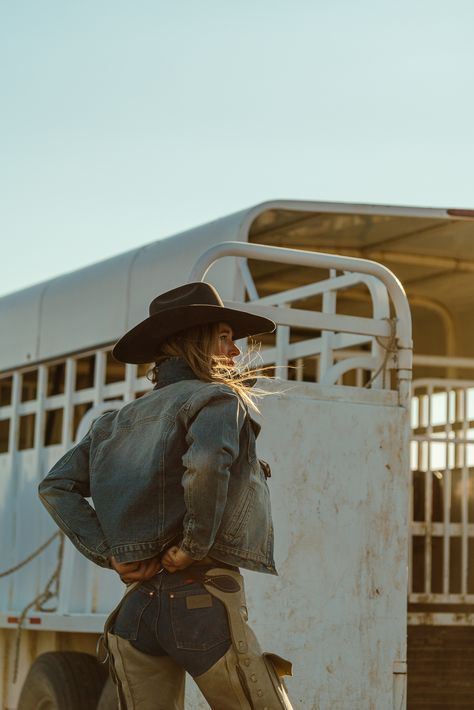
(176, 465)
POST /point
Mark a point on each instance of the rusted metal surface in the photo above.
(338, 608)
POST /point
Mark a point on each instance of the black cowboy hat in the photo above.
(179, 309)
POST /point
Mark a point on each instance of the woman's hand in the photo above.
(175, 559)
(136, 571)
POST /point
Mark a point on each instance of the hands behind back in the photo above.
(136, 571)
(174, 559)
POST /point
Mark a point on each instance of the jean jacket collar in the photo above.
(172, 370)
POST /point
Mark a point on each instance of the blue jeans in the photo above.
(173, 615)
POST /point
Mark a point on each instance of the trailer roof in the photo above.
(430, 250)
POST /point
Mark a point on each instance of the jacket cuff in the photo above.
(193, 550)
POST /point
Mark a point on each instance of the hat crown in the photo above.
(193, 294)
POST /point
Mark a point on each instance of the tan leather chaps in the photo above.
(243, 679)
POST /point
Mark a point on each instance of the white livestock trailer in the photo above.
(336, 434)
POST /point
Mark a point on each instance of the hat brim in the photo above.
(141, 343)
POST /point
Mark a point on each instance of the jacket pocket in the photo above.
(251, 443)
(240, 517)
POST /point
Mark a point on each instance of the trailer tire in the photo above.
(108, 699)
(63, 679)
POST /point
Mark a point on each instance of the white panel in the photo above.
(96, 305)
(339, 495)
(19, 318)
(85, 308)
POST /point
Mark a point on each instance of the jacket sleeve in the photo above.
(64, 491)
(213, 434)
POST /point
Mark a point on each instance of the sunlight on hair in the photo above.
(197, 347)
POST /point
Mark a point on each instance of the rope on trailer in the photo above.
(390, 347)
(34, 554)
(50, 591)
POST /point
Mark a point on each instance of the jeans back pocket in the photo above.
(199, 620)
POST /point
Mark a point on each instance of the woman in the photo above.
(180, 503)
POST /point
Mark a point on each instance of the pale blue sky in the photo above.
(123, 122)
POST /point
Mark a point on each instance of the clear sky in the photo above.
(123, 122)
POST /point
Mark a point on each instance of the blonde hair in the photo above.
(197, 347)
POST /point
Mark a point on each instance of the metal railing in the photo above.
(382, 342)
(442, 492)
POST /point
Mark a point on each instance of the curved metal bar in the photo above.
(315, 259)
(331, 376)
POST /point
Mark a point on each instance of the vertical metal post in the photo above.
(410, 518)
(447, 499)
(299, 369)
(67, 437)
(129, 385)
(428, 496)
(99, 376)
(13, 482)
(326, 359)
(282, 342)
(14, 421)
(38, 449)
(70, 377)
(464, 497)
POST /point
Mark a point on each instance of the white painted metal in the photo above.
(443, 448)
(328, 320)
(338, 608)
(298, 257)
(336, 495)
(348, 617)
(61, 316)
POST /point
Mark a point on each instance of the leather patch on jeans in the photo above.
(198, 601)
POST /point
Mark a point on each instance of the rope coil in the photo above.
(50, 591)
(34, 554)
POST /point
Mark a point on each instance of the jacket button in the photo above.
(253, 678)
(247, 661)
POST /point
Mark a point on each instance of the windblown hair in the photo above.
(197, 346)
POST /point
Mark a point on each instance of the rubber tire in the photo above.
(108, 699)
(63, 680)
